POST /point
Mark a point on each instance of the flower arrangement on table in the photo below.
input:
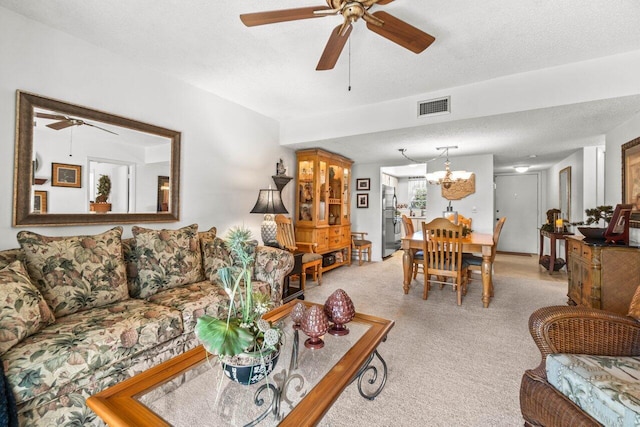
(243, 332)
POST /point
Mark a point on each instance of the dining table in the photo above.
(472, 243)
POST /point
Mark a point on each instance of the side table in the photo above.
(553, 239)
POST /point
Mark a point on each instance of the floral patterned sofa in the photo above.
(82, 313)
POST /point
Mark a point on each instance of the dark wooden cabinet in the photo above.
(602, 276)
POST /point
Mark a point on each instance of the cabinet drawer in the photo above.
(585, 252)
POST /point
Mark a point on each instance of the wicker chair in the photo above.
(576, 330)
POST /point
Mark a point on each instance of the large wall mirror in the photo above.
(62, 151)
(565, 193)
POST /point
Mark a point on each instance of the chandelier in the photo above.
(447, 177)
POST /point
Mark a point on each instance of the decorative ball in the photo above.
(297, 314)
(314, 324)
(340, 310)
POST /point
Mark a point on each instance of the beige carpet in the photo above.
(448, 365)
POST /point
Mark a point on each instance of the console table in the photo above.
(554, 238)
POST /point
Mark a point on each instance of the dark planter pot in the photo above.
(249, 368)
(592, 233)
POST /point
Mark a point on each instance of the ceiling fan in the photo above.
(66, 121)
(379, 22)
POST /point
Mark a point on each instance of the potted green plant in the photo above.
(595, 216)
(103, 190)
(247, 345)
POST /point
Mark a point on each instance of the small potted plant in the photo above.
(103, 190)
(597, 215)
(247, 345)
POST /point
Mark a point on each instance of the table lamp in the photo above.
(269, 203)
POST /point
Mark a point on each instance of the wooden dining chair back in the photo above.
(360, 245)
(418, 256)
(462, 220)
(407, 225)
(286, 238)
(475, 261)
(442, 246)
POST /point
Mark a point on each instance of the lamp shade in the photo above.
(269, 202)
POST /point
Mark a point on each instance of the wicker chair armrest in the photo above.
(581, 330)
(308, 247)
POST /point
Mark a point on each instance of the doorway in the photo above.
(516, 197)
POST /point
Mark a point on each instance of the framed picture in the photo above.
(631, 179)
(40, 202)
(63, 175)
(362, 200)
(363, 184)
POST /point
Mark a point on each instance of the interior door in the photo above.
(516, 197)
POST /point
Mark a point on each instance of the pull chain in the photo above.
(349, 64)
(71, 142)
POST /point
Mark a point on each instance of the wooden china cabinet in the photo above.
(322, 212)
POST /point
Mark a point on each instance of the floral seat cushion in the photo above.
(605, 387)
(85, 343)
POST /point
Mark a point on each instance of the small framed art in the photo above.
(362, 200)
(363, 184)
(63, 175)
(40, 202)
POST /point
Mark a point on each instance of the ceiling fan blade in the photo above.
(275, 16)
(60, 125)
(333, 49)
(98, 127)
(400, 32)
(51, 116)
(383, 2)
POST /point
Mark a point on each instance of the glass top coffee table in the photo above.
(191, 389)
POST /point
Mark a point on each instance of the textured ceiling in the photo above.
(271, 68)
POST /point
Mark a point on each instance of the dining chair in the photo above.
(361, 245)
(442, 246)
(286, 238)
(475, 261)
(418, 256)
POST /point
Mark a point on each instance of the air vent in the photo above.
(434, 107)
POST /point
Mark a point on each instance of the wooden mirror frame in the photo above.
(23, 166)
(564, 177)
(630, 174)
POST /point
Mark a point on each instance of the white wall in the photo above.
(479, 205)
(613, 174)
(228, 152)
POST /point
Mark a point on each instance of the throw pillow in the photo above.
(634, 307)
(216, 255)
(76, 273)
(165, 259)
(23, 310)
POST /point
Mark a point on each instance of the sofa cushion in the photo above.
(10, 255)
(164, 259)
(605, 387)
(194, 300)
(217, 255)
(76, 273)
(23, 310)
(86, 344)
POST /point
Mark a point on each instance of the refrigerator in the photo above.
(390, 221)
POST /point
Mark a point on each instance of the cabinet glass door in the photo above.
(345, 196)
(322, 181)
(305, 190)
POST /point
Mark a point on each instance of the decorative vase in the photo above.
(297, 314)
(340, 310)
(315, 324)
(251, 367)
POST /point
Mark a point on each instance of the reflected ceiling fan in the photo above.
(66, 121)
(379, 22)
